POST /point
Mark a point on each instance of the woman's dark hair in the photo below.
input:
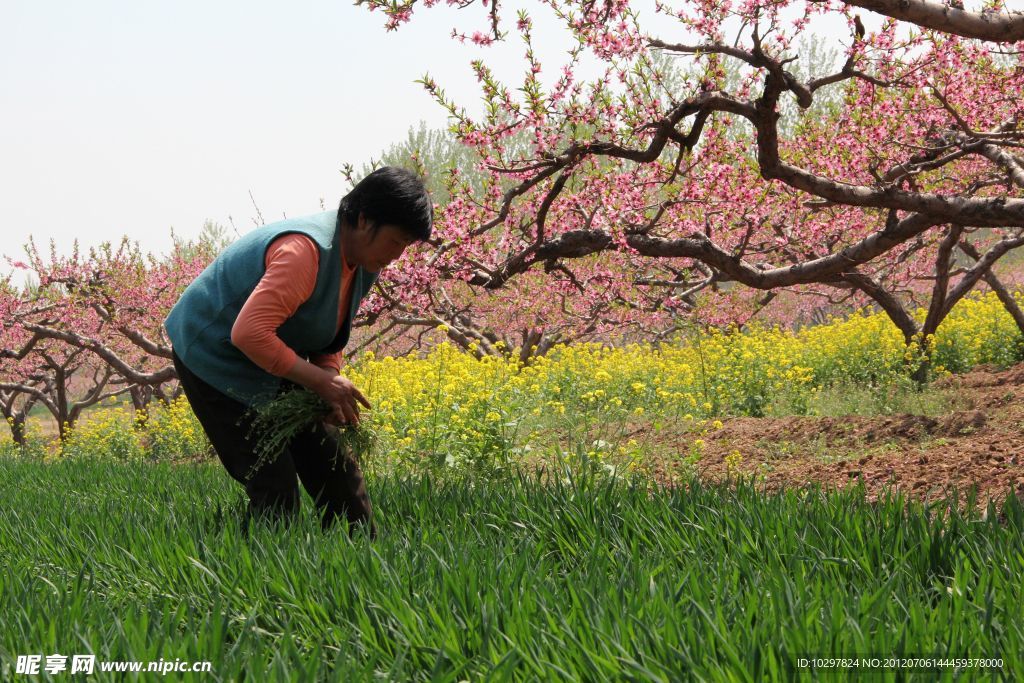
(389, 196)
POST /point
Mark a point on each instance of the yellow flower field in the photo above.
(450, 409)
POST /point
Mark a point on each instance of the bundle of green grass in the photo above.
(275, 423)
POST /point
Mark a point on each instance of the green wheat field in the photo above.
(577, 578)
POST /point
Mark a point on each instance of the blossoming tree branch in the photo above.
(733, 161)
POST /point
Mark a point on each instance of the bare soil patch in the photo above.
(924, 457)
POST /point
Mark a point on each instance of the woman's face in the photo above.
(374, 252)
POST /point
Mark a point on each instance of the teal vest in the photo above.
(199, 325)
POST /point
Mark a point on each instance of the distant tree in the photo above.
(93, 326)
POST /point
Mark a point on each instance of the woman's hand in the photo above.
(344, 398)
(337, 390)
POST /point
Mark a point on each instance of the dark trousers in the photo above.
(333, 480)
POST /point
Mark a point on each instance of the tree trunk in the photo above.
(64, 423)
(142, 396)
(17, 423)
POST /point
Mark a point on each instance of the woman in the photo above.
(275, 308)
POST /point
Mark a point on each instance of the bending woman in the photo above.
(274, 309)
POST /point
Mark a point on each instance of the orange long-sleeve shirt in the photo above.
(291, 266)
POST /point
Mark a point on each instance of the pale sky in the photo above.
(132, 117)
